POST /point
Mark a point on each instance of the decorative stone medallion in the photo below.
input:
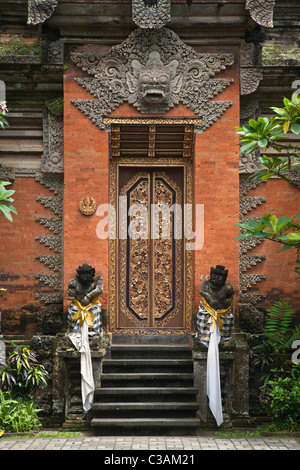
(88, 207)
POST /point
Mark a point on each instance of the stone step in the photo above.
(147, 365)
(145, 379)
(146, 393)
(172, 423)
(152, 406)
(146, 388)
(150, 351)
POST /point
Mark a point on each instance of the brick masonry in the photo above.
(215, 171)
(86, 150)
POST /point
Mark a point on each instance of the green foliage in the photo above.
(267, 133)
(278, 328)
(276, 166)
(283, 230)
(18, 415)
(279, 336)
(281, 398)
(22, 372)
(5, 201)
(14, 47)
(56, 106)
(259, 134)
(280, 394)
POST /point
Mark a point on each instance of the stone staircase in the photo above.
(147, 389)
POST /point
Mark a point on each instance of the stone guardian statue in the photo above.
(85, 289)
(214, 323)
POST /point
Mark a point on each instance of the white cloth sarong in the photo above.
(213, 383)
(80, 340)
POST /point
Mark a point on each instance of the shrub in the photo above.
(18, 415)
(22, 373)
(282, 398)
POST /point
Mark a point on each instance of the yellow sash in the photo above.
(84, 313)
(216, 314)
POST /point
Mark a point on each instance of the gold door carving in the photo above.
(151, 272)
(150, 258)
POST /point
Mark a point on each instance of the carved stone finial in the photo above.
(261, 11)
(40, 10)
(151, 14)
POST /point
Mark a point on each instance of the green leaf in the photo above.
(294, 237)
(244, 235)
(249, 147)
(263, 142)
(253, 123)
(280, 111)
(267, 176)
(6, 212)
(273, 221)
(295, 128)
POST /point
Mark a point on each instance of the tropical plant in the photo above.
(18, 415)
(265, 133)
(281, 398)
(278, 338)
(23, 372)
(5, 201)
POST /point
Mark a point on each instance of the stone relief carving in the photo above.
(246, 260)
(153, 70)
(54, 242)
(261, 11)
(40, 10)
(250, 73)
(250, 79)
(249, 108)
(55, 52)
(151, 13)
(53, 142)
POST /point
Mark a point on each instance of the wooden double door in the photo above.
(150, 250)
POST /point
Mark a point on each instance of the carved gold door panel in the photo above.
(150, 258)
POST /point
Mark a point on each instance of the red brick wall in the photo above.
(216, 177)
(86, 157)
(280, 283)
(19, 306)
(216, 185)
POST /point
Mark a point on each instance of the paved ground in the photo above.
(153, 443)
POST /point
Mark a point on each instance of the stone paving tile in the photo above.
(155, 443)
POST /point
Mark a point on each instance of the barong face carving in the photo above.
(153, 70)
(215, 305)
(153, 86)
(86, 306)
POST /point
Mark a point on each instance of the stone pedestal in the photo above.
(234, 372)
(74, 414)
